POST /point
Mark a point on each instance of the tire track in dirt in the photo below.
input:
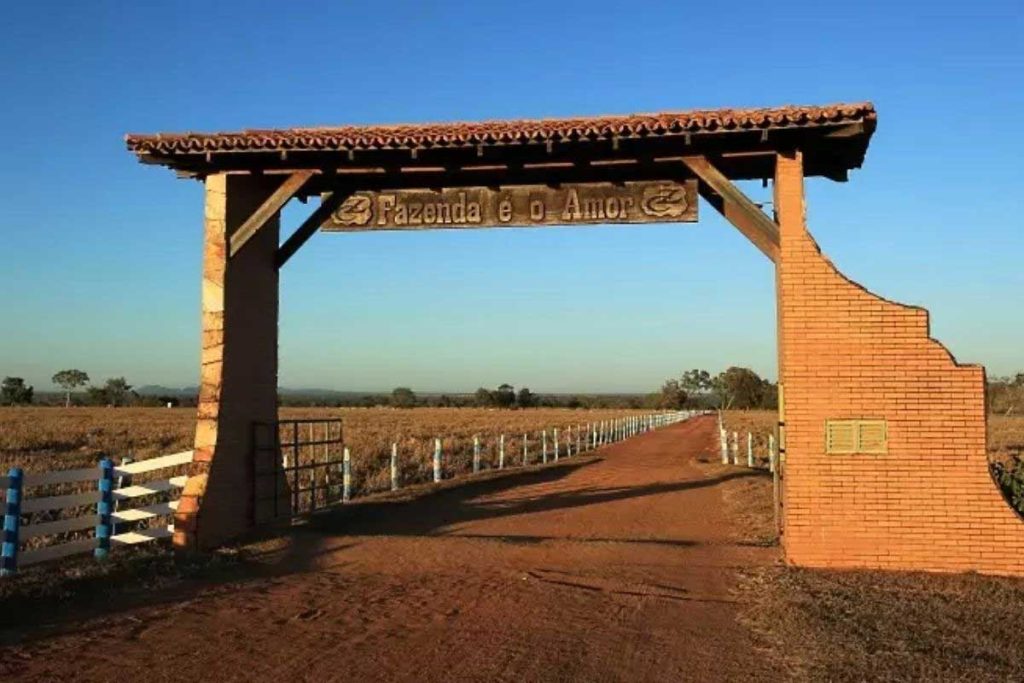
(614, 567)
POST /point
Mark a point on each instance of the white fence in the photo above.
(110, 490)
(775, 461)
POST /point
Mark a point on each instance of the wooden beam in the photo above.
(328, 205)
(736, 206)
(274, 203)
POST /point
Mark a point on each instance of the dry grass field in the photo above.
(40, 439)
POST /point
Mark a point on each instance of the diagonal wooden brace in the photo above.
(737, 208)
(328, 205)
(274, 203)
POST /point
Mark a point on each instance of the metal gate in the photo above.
(296, 467)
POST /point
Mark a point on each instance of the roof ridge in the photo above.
(463, 133)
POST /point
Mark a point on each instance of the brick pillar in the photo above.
(238, 377)
(929, 502)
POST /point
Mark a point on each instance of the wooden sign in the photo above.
(662, 201)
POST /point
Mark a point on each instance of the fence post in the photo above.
(526, 449)
(12, 521)
(776, 494)
(735, 449)
(556, 443)
(501, 452)
(394, 466)
(750, 449)
(771, 453)
(104, 509)
(579, 439)
(476, 454)
(725, 445)
(437, 460)
(346, 475)
(544, 446)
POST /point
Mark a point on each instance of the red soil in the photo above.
(617, 567)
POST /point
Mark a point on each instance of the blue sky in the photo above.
(101, 256)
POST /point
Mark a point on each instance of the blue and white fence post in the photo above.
(437, 460)
(501, 452)
(346, 475)
(12, 521)
(105, 509)
(394, 466)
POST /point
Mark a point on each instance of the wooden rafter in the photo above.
(737, 208)
(328, 205)
(274, 203)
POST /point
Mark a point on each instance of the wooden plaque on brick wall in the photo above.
(522, 205)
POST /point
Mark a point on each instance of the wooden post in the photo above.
(476, 454)
(777, 494)
(526, 449)
(771, 452)
(579, 439)
(735, 449)
(725, 445)
(750, 449)
(501, 452)
(437, 460)
(394, 466)
(556, 443)
(12, 522)
(346, 475)
(544, 446)
(104, 509)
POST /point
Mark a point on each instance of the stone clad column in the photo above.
(238, 377)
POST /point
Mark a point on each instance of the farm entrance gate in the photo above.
(883, 431)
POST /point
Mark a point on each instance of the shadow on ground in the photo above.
(165, 578)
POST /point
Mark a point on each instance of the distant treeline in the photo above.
(733, 388)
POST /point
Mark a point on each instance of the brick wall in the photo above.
(930, 502)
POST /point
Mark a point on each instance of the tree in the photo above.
(14, 392)
(505, 396)
(483, 398)
(696, 381)
(403, 397)
(117, 391)
(69, 380)
(526, 399)
(672, 395)
(739, 388)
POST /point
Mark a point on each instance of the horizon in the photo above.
(107, 276)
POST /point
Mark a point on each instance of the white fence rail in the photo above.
(111, 492)
(112, 502)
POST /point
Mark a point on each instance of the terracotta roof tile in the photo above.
(496, 132)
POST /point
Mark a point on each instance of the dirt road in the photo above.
(617, 567)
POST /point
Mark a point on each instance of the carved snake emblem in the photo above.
(356, 210)
(664, 201)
